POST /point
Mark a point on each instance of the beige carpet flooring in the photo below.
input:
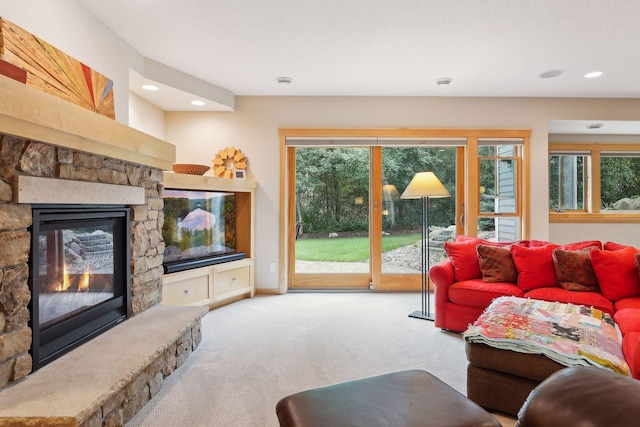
(256, 351)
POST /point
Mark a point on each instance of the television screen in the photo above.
(198, 224)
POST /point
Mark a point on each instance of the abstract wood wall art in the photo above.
(53, 71)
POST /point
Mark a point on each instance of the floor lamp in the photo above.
(425, 186)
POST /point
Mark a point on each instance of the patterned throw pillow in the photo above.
(496, 264)
(574, 271)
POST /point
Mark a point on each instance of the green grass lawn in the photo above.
(348, 249)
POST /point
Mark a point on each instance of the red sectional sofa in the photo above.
(605, 276)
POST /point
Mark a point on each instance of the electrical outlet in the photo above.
(272, 267)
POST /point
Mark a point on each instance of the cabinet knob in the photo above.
(187, 291)
(233, 279)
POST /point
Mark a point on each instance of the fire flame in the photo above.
(83, 285)
(86, 277)
(65, 279)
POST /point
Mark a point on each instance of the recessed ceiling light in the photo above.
(444, 81)
(149, 87)
(594, 126)
(197, 103)
(551, 74)
(593, 75)
(284, 80)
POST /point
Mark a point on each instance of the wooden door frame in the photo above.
(465, 158)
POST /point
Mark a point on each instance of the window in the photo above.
(567, 182)
(499, 215)
(619, 182)
(601, 182)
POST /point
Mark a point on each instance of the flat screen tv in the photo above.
(199, 229)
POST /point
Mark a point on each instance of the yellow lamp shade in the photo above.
(425, 184)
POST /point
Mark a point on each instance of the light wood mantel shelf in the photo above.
(201, 182)
(29, 113)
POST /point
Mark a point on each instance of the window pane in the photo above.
(619, 183)
(497, 185)
(566, 182)
(499, 229)
(487, 150)
(402, 218)
(508, 150)
(332, 210)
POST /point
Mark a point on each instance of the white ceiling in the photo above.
(389, 47)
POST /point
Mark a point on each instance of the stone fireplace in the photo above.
(55, 157)
(24, 158)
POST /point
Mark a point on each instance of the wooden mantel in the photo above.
(29, 113)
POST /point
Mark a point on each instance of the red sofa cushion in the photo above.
(589, 299)
(616, 272)
(463, 238)
(476, 293)
(633, 302)
(536, 243)
(631, 349)
(613, 246)
(535, 266)
(628, 320)
(464, 258)
(583, 244)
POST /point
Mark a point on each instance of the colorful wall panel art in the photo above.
(55, 72)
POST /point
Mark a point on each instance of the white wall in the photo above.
(146, 117)
(70, 27)
(626, 234)
(253, 127)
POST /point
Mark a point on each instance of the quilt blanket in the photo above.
(568, 334)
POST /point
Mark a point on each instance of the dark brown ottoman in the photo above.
(501, 380)
(400, 399)
(583, 396)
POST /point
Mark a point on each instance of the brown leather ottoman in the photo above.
(583, 396)
(400, 399)
(501, 380)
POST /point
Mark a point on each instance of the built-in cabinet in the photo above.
(222, 282)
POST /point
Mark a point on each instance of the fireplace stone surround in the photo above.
(42, 137)
(19, 157)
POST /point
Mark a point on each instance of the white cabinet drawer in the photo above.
(231, 279)
(186, 288)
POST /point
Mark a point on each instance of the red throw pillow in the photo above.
(616, 272)
(574, 271)
(496, 264)
(464, 258)
(535, 266)
(582, 245)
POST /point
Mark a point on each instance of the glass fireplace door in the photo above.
(76, 270)
(79, 274)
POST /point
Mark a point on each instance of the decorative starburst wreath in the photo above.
(227, 161)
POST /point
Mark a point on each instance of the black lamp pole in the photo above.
(425, 185)
(425, 313)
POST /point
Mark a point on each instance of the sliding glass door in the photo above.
(347, 225)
